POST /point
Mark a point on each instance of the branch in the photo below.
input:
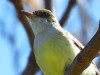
(32, 66)
(86, 56)
(48, 4)
(67, 12)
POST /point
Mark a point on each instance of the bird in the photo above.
(54, 47)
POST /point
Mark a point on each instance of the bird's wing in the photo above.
(81, 47)
(75, 41)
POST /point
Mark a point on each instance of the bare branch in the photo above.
(86, 56)
(67, 12)
(48, 4)
(32, 66)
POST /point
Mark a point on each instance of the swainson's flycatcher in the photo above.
(54, 48)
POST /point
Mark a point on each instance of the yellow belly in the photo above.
(54, 56)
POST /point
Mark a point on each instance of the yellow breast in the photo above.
(55, 55)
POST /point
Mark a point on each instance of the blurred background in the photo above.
(79, 17)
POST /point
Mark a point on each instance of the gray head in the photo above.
(41, 20)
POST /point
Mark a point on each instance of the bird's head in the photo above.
(41, 20)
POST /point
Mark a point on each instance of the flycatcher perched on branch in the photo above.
(54, 48)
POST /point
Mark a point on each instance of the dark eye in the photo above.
(50, 20)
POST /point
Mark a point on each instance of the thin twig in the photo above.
(32, 66)
(67, 12)
(48, 4)
(85, 57)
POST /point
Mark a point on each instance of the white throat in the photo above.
(42, 25)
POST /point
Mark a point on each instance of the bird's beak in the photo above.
(28, 14)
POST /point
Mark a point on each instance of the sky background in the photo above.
(14, 42)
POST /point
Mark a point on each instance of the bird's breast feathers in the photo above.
(54, 52)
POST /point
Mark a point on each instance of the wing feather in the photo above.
(75, 41)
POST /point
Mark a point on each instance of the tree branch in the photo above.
(32, 66)
(48, 4)
(67, 12)
(86, 56)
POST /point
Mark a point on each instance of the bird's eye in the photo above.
(48, 20)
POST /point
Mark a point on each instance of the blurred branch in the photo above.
(67, 12)
(32, 66)
(48, 4)
(85, 57)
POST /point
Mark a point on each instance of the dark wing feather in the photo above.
(81, 47)
(75, 41)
